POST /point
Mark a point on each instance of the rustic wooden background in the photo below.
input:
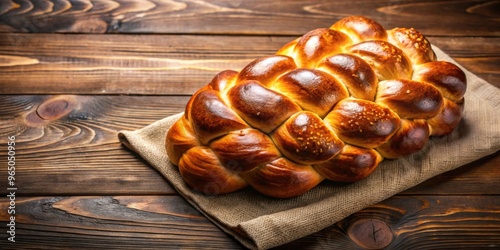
(75, 72)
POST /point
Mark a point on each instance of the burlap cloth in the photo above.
(261, 222)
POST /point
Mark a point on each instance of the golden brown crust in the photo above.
(362, 123)
(180, 138)
(330, 104)
(202, 171)
(312, 89)
(413, 44)
(387, 60)
(447, 120)
(304, 138)
(410, 99)
(350, 165)
(445, 76)
(411, 137)
(360, 28)
(354, 73)
(267, 69)
(283, 178)
(315, 45)
(223, 80)
(261, 107)
(211, 117)
(243, 150)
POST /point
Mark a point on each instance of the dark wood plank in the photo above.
(450, 18)
(163, 64)
(68, 145)
(75, 150)
(414, 222)
(400, 222)
(474, 178)
(104, 222)
(118, 64)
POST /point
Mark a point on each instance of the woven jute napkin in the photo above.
(261, 222)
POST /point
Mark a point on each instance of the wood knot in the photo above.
(91, 25)
(51, 109)
(370, 233)
(56, 107)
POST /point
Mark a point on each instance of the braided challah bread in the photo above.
(331, 104)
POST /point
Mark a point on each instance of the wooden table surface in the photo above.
(75, 72)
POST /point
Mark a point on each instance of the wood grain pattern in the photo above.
(75, 72)
(113, 64)
(73, 150)
(80, 150)
(478, 178)
(415, 222)
(420, 222)
(112, 222)
(164, 65)
(450, 18)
